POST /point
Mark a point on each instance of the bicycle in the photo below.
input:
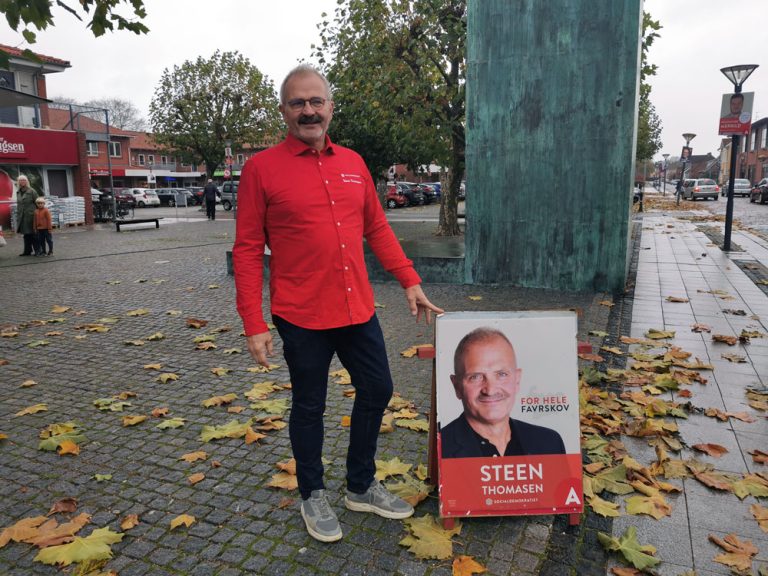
(124, 210)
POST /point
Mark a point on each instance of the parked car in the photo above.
(413, 196)
(462, 190)
(229, 194)
(121, 195)
(395, 197)
(170, 196)
(759, 192)
(427, 191)
(437, 187)
(694, 188)
(741, 187)
(144, 197)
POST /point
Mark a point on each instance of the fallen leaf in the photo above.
(475, 298)
(288, 466)
(393, 467)
(735, 358)
(738, 553)
(592, 357)
(714, 450)
(134, 342)
(60, 309)
(640, 556)
(195, 478)
(171, 423)
(67, 505)
(467, 566)
(263, 369)
(229, 351)
(213, 286)
(32, 410)
(419, 425)
(761, 515)
(165, 377)
(133, 420)
(730, 340)
(219, 400)
(427, 539)
(184, 519)
(102, 477)
(235, 409)
(734, 312)
(409, 489)
(261, 390)
(206, 346)
(759, 457)
(598, 333)
(138, 312)
(28, 384)
(285, 502)
(606, 303)
(284, 481)
(156, 336)
(655, 334)
(196, 323)
(677, 299)
(159, 412)
(130, 521)
(68, 447)
(194, 456)
(346, 421)
(232, 429)
(612, 350)
(604, 507)
(173, 312)
(38, 343)
(153, 366)
(221, 371)
(21, 530)
(93, 547)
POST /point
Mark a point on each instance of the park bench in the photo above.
(119, 223)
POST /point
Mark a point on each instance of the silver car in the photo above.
(741, 187)
(700, 188)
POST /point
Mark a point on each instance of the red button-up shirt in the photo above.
(313, 210)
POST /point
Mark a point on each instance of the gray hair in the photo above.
(482, 334)
(22, 177)
(300, 70)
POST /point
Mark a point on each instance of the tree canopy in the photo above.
(201, 104)
(648, 122)
(398, 70)
(100, 15)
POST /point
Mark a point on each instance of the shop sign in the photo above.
(508, 414)
(11, 149)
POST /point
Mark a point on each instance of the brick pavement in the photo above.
(240, 529)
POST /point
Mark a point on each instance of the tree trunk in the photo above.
(449, 203)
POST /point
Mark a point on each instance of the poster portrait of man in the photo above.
(507, 412)
(736, 113)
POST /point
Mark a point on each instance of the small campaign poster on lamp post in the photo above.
(736, 113)
(508, 413)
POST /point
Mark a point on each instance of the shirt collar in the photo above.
(297, 147)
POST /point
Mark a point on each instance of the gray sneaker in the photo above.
(379, 500)
(318, 515)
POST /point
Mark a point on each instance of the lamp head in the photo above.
(688, 137)
(738, 74)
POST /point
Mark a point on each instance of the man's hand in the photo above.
(260, 347)
(420, 304)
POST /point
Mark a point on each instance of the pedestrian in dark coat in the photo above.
(25, 214)
(209, 193)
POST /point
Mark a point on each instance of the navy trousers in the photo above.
(308, 353)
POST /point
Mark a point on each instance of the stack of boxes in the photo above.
(69, 210)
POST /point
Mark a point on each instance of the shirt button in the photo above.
(338, 223)
(326, 181)
(333, 202)
(343, 245)
(349, 289)
(346, 267)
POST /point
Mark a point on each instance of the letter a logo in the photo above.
(573, 498)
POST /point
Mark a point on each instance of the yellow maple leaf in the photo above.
(261, 390)
(185, 519)
(138, 312)
(220, 371)
(153, 366)
(60, 309)
(288, 466)
(166, 376)
(206, 346)
(420, 425)
(252, 436)
(284, 481)
(219, 400)
(32, 410)
(262, 369)
(156, 336)
(21, 530)
(738, 553)
(427, 539)
(393, 467)
(409, 489)
(761, 515)
(27, 384)
(91, 548)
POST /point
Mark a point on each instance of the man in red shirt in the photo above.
(313, 202)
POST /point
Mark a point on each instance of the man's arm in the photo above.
(248, 262)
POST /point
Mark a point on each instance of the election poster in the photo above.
(736, 113)
(508, 413)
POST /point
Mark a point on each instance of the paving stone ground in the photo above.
(241, 528)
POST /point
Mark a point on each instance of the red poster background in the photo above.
(469, 489)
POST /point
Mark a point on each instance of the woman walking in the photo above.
(25, 214)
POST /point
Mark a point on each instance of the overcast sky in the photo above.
(697, 39)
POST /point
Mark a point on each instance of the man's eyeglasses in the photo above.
(297, 104)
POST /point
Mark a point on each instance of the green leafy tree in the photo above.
(648, 122)
(200, 105)
(100, 16)
(398, 70)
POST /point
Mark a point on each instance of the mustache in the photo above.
(314, 119)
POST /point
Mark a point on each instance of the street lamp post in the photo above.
(664, 182)
(737, 75)
(687, 136)
(228, 170)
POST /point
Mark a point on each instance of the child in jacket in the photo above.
(43, 225)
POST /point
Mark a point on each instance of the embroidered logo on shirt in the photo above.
(353, 178)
